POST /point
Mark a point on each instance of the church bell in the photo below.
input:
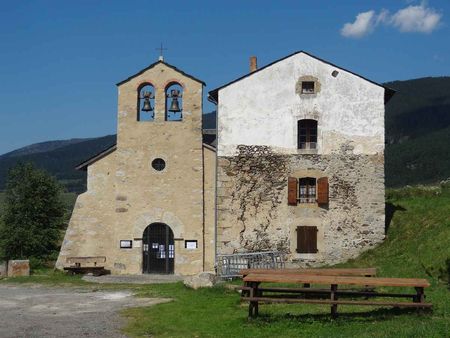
(174, 107)
(146, 106)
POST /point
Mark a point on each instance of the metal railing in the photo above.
(228, 266)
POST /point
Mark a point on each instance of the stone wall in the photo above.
(91, 226)
(254, 214)
(126, 194)
(18, 268)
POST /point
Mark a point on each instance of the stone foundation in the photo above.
(253, 213)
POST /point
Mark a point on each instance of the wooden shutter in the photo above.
(307, 239)
(292, 191)
(322, 190)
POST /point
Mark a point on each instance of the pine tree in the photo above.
(32, 216)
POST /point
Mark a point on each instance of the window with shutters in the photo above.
(307, 190)
(307, 134)
(307, 239)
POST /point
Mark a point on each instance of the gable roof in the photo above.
(213, 95)
(95, 158)
(155, 64)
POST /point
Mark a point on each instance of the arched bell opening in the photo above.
(174, 102)
(158, 250)
(146, 102)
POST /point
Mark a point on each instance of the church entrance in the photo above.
(158, 249)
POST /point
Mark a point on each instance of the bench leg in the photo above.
(420, 295)
(333, 297)
(258, 293)
(419, 298)
(253, 307)
(250, 310)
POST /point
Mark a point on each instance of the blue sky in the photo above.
(60, 60)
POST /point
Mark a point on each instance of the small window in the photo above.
(308, 87)
(307, 190)
(158, 164)
(307, 134)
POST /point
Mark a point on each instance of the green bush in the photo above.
(32, 216)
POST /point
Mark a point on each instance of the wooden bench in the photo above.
(83, 265)
(255, 293)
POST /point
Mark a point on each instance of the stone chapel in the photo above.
(297, 166)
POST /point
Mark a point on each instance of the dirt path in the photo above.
(37, 311)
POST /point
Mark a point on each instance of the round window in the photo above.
(158, 164)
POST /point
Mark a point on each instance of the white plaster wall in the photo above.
(263, 109)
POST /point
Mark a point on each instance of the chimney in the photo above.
(253, 65)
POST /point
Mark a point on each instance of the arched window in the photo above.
(307, 134)
(174, 102)
(146, 102)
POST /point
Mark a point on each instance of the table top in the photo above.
(299, 278)
(318, 272)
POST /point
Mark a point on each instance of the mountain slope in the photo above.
(43, 147)
(418, 132)
(419, 107)
(61, 161)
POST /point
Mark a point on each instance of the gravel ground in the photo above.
(37, 311)
(133, 279)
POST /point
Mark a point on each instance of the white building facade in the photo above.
(300, 161)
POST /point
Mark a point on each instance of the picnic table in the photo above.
(254, 293)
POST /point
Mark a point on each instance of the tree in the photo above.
(33, 214)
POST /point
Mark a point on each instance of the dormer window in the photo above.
(308, 87)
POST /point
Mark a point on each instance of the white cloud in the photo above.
(414, 18)
(383, 17)
(363, 25)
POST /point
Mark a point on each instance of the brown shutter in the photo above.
(322, 190)
(307, 239)
(292, 191)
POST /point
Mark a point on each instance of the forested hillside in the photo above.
(59, 161)
(417, 140)
(418, 132)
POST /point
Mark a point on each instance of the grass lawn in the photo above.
(417, 245)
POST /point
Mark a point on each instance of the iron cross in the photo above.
(161, 49)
